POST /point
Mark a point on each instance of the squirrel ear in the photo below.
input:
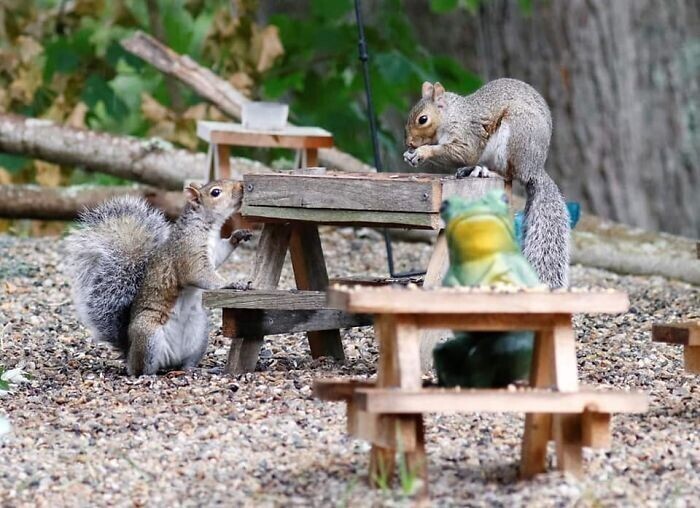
(427, 90)
(192, 194)
(439, 95)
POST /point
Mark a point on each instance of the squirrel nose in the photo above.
(411, 145)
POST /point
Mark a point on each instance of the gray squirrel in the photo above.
(137, 281)
(505, 126)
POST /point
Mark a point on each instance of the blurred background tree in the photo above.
(622, 79)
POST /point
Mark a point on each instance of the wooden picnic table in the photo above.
(291, 206)
(389, 412)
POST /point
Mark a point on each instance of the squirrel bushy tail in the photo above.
(107, 257)
(546, 231)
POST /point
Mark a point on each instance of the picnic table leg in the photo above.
(437, 267)
(399, 367)
(222, 161)
(311, 156)
(691, 359)
(310, 273)
(269, 260)
(567, 428)
(538, 426)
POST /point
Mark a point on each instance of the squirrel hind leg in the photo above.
(146, 352)
(474, 172)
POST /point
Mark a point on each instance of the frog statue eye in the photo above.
(423, 120)
(215, 192)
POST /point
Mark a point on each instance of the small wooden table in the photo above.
(389, 412)
(223, 135)
(686, 334)
(291, 206)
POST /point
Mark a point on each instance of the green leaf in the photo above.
(330, 9)
(178, 24)
(441, 6)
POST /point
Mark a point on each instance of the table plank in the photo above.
(276, 299)
(452, 401)
(228, 133)
(391, 300)
(341, 217)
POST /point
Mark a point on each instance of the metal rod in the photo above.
(364, 58)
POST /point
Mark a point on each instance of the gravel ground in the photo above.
(85, 434)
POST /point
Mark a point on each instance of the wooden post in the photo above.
(311, 157)
(399, 367)
(595, 429)
(269, 260)
(223, 161)
(691, 355)
(538, 426)
(566, 428)
(568, 437)
(310, 273)
(437, 267)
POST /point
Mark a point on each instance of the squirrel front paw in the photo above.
(240, 235)
(418, 156)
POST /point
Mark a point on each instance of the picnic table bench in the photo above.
(291, 206)
(389, 412)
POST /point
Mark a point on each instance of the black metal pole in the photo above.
(364, 58)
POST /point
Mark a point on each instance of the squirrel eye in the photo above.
(423, 119)
(215, 192)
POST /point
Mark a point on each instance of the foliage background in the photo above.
(62, 60)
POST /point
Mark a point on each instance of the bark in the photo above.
(152, 162)
(65, 203)
(218, 91)
(622, 83)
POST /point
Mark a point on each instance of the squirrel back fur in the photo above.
(505, 126)
(107, 258)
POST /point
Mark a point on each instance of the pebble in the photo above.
(86, 434)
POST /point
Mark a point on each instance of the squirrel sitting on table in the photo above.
(137, 281)
(505, 126)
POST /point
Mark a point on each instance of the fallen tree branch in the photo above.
(151, 161)
(218, 91)
(64, 203)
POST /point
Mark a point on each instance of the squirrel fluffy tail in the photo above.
(546, 231)
(107, 257)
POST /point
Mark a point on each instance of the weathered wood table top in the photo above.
(291, 205)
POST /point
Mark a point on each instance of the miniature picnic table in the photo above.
(223, 135)
(389, 411)
(291, 206)
(684, 333)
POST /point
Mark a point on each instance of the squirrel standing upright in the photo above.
(505, 126)
(137, 281)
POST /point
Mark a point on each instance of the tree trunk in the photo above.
(65, 203)
(148, 161)
(622, 81)
(219, 92)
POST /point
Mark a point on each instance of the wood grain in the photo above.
(249, 322)
(268, 299)
(310, 273)
(538, 426)
(456, 301)
(686, 333)
(338, 193)
(342, 217)
(453, 401)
